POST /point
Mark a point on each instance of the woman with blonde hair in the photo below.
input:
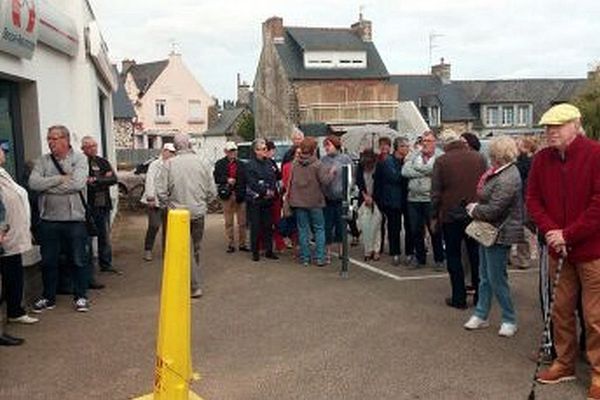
(500, 203)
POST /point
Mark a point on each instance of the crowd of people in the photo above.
(431, 196)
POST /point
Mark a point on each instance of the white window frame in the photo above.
(335, 59)
(508, 110)
(195, 111)
(487, 115)
(522, 118)
(160, 108)
(434, 116)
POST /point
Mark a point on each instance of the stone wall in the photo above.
(123, 133)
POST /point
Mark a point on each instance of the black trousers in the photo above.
(12, 284)
(454, 234)
(261, 224)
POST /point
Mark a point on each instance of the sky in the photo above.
(482, 39)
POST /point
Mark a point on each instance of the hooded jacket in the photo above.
(307, 181)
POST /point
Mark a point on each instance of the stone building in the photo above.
(320, 76)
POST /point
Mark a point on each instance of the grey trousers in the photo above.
(197, 231)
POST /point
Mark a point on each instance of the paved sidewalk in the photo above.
(276, 331)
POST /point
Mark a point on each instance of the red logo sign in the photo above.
(18, 6)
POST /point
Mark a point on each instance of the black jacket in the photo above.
(260, 177)
(221, 173)
(391, 188)
(99, 191)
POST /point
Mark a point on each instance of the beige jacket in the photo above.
(185, 181)
(18, 215)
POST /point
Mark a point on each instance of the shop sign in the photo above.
(19, 27)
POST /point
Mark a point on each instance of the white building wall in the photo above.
(66, 88)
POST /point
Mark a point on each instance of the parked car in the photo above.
(282, 146)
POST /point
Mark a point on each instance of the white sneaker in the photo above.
(148, 255)
(24, 319)
(475, 323)
(507, 329)
(197, 293)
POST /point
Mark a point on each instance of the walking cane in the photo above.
(547, 317)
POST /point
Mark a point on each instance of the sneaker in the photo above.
(475, 323)
(41, 305)
(148, 255)
(555, 374)
(82, 305)
(271, 256)
(507, 330)
(24, 319)
(230, 249)
(243, 248)
(196, 294)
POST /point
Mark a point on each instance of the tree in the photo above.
(588, 102)
(246, 127)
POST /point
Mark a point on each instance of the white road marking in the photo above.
(382, 272)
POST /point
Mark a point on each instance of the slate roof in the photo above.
(298, 40)
(427, 90)
(225, 122)
(122, 107)
(541, 93)
(459, 99)
(145, 74)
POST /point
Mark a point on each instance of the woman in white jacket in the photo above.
(15, 239)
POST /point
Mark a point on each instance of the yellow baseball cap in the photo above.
(560, 114)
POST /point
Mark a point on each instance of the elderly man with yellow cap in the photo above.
(563, 199)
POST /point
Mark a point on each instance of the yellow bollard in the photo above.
(173, 369)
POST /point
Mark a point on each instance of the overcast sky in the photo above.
(498, 39)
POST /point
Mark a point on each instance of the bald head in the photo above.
(181, 141)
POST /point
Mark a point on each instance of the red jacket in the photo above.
(565, 194)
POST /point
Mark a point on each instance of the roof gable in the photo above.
(298, 40)
(145, 74)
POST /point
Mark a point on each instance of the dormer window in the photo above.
(335, 60)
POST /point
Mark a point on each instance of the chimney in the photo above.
(594, 73)
(243, 93)
(126, 64)
(273, 30)
(363, 28)
(442, 71)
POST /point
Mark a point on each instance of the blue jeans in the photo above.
(307, 219)
(493, 280)
(334, 221)
(72, 239)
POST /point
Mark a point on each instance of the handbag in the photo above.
(90, 223)
(483, 232)
(224, 191)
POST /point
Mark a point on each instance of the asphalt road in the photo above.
(275, 331)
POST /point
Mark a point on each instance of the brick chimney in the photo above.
(363, 28)
(442, 71)
(126, 64)
(273, 30)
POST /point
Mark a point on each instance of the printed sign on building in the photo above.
(19, 24)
